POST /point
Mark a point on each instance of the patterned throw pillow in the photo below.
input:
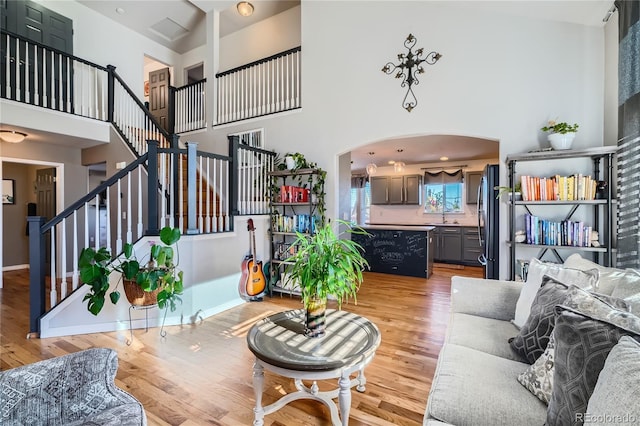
(538, 378)
(534, 335)
(537, 270)
(584, 336)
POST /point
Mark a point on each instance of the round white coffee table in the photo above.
(280, 346)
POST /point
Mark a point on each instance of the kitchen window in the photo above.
(443, 192)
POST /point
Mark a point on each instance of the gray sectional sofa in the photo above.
(74, 389)
(476, 378)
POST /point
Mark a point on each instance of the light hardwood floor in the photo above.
(201, 374)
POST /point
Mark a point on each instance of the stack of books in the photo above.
(564, 233)
(558, 188)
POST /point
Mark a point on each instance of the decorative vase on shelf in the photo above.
(290, 162)
(561, 140)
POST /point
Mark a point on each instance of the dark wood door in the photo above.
(48, 81)
(159, 97)
(46, 202)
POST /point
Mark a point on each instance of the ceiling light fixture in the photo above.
(371, 167)
(398, 166)
(444, 158)
(119, 11)
(12, 136)
(407, 62)
(245, 8)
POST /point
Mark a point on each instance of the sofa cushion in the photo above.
(537, 271)
(584, 337)
(484, 334)
(608, 277)
(475, 388)
(617, 391)
(628, 288)
(534, 335)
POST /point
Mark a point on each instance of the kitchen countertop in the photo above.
(415, 225)
(397, 227)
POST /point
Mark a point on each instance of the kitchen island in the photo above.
(398, 249)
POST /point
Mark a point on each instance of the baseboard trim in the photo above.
(15, 267)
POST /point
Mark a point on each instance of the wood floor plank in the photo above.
(201, 374)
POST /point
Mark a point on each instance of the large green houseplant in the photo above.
(159, 275)
(325, 265)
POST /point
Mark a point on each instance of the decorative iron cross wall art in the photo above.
(406, 69)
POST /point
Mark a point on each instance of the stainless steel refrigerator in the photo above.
(488, 221)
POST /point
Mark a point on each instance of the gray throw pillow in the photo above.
(534, 335)
(538, 378)
(616, 397)
(584, 336)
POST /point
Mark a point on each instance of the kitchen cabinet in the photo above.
(403, 251)
(471, 249)
(396, 189)
(472, 182)
(451, 244)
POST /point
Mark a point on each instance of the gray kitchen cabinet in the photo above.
(379, 190)
(471, 249)
(451, 244)
(472, 180)
(396, 189)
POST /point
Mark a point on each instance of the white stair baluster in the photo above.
(74, 276)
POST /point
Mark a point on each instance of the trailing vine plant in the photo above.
(316, 188)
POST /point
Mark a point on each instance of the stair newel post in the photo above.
(192, 226)
(110, 92)
(234, 149)
(152, 187)
(37, 255)
(175, 173)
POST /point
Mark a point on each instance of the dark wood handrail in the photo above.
(259, 61)
(186, 86)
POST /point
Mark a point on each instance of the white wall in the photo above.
(500, 77)
(106, 42)
(263, 39)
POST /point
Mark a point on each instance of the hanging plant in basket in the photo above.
(157, 281)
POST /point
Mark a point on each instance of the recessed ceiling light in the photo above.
(444, 158)
(391, 162)
(119, 11)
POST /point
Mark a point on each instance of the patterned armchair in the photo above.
(74, 389)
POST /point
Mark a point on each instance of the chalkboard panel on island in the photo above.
(397, 251)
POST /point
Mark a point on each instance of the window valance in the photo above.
(442, 177)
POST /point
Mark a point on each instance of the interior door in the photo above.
(35, 22)
(159, 97)
(46, 201)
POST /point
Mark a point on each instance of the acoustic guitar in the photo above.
(252, 282)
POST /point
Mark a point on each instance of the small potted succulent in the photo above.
(156, 281)
(561, 135)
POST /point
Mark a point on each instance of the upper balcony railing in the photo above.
(189, 104)
(263, 87)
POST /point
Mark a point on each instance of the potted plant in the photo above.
(516, 191)
(298, 161)
(157, 281)
(325, 265)
(562, 134)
